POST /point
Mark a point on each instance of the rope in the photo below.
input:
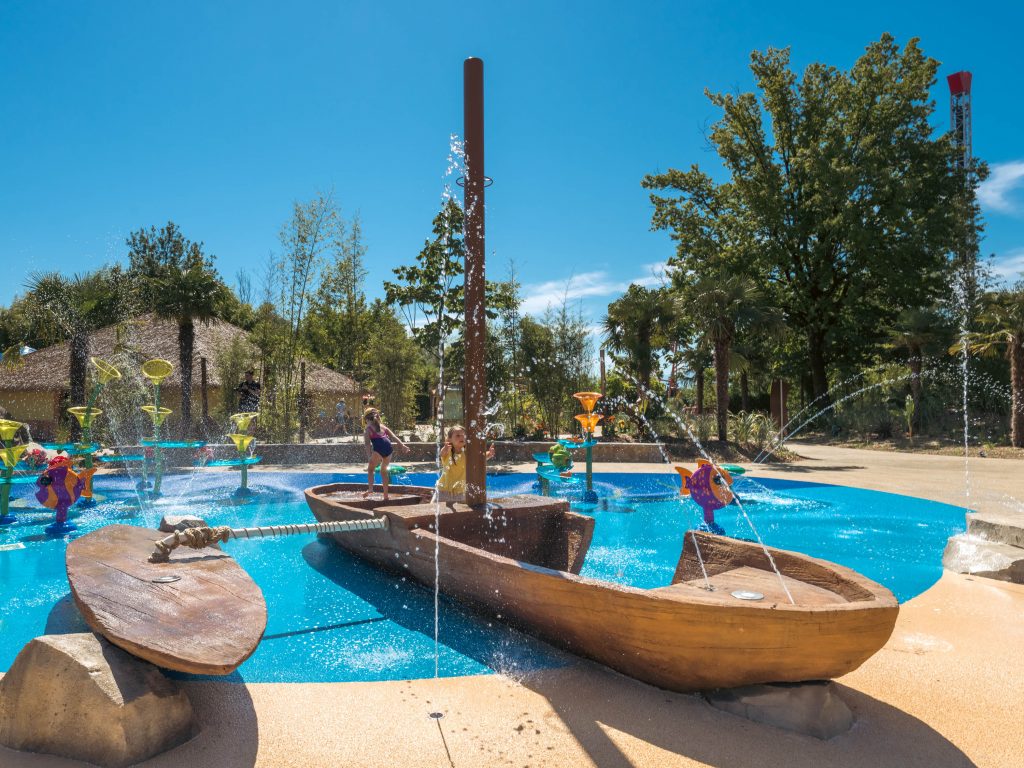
(197, 538)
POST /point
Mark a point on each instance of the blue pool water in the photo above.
(333, 618)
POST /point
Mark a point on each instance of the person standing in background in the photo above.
(248, 394)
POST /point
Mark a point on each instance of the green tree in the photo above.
(1002, 325)
(79, 305)
(187, 296)
(916, 331)
(636, 327)
(175, 277)
(393, 364)
(337, 325)
(839, 198)
(723, 308)
(430, 294)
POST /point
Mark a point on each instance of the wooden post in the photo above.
(302, 401)
(476, 324)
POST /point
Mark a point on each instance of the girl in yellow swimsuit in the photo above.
(451, 486)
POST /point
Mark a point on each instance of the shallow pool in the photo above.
(333, 618)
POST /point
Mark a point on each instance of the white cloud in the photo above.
(551, 293)
(653, 275)
(995, 191)
(540, 296)
(1010, 268)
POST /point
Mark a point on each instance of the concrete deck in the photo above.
(946, 690)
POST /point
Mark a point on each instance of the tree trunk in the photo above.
(699, 386)
(186, 346)
(1017, 391)
(78, 364)
(744, 392)
(916, 389)
(819, 372)
(722, 389)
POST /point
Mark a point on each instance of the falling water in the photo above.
(700, 448)
(456, 156)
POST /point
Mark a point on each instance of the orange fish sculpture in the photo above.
(60, 487)
(709, 487)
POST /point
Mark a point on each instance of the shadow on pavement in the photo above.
(593, 703)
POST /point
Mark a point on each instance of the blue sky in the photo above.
(218, 115)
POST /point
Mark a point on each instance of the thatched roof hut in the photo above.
(34, 389)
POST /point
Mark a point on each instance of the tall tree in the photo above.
(79, 305)
(337, 325)
(175, 277)
(636, 328)
(839, 197)
(1002, 324)
(915, 332)
(722, 308)
(430, 294)
(187, 296)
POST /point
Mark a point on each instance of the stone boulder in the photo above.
(812, 708)
(966, 553)
(78, 696)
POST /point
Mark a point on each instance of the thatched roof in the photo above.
(144, 338)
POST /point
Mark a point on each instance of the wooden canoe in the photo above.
(208, 621)
(521, 563)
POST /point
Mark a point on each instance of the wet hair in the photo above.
(455, 428)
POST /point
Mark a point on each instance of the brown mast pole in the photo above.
(476, 327)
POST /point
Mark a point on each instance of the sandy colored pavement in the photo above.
(947, 689)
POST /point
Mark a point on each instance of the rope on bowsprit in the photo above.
(197, 538)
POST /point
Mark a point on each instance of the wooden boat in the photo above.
(521, 561)
(200, 612)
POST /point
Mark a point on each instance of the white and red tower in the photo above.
(960, 115)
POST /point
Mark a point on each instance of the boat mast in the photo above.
(476, 324)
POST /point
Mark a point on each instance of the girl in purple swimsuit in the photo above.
(377, 439)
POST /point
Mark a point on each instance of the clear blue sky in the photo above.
(116, 115)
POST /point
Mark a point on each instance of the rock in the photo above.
(813, 708)
(80, 697)
(980, 557)
(172, 523)
(1002, 527)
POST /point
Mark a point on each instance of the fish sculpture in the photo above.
(60, 487)
(709, 487)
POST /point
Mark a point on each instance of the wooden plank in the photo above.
(207, 622)
(767, 583)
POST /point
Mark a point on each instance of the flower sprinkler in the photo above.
(156, 371)
(242, 442)
(588, 421)
(11, 455)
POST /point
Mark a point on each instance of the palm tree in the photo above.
(1002, 321)
(636, 326)
(915, 330)
(723, 308)
(697, 359)
(187, 295)
(79, 305)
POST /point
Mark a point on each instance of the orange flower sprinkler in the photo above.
(589, 421)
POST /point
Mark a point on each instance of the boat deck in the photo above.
(748, 579)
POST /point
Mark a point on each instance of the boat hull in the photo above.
(680, 637)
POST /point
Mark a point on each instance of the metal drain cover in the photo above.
(743, 594)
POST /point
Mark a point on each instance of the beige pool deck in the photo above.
(947, 690)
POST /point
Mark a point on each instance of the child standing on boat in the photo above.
(451, 485)
(378, 440)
